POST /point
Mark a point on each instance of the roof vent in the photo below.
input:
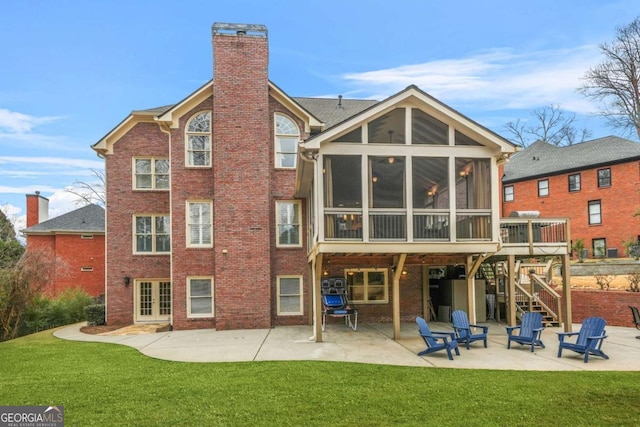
(339, 102)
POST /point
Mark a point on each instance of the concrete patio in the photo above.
(371, 343)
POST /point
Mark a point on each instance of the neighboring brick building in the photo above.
(595, 184)
(75, 240)
(226, 209)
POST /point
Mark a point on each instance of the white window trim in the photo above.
(589, 213)
(366, 284)
(276, 163)
(186, 141)
(188, 230)
(86, 269)
(213, 299)
(301, 294)
(546, 188)
(153, 234)
(512, 193)
(153, 174)
(298, 205)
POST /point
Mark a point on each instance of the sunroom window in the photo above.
(428, 130)
(473, 198)
(343, 197)
(430, 197)
(388, 129)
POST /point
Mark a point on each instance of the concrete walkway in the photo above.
(371, 343)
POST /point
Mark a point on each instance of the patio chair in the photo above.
(589, 339)
(636, 318)
(335, 302)
(431, 339)
(464, 332)
(529, 331)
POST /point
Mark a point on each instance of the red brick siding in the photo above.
(71, 253)
(143, 140)
(613, 306)
(619, 203)
(286, 261)
(242, 170)
(188, 184)
(410, 296)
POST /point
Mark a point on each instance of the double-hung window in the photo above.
(508, 193)
(199, 224)
(151, 174)
(595, 212)
(289, 295)
(286, 138)
(152, 234)
(199, 140)
(288, 223)
(200, 297)
(574, 182)
(604, 178)
(543, 188)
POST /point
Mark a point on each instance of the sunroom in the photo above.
(408, 180)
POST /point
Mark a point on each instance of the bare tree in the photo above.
(615, 81)
(550, 124)
(90, 192)
(19, 285)
(7, 232)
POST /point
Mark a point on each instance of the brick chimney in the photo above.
(37, 209)
(242, 163)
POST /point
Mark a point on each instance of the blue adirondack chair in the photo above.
(431, 339)
(589, 339)
(463, 331)
(529, 331)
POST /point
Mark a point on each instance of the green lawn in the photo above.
(107, 384)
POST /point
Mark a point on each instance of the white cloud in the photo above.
(13, 122)
(53, 161)
(495, 79)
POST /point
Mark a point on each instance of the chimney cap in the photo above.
(255, 30)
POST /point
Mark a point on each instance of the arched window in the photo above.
(198, 141)
(286, 139)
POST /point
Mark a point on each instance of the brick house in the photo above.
(594, 184)
(228, 208)
(75, 240)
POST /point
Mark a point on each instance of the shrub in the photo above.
(604, 280)
(46, 312)
(95, 314)
(634, 282)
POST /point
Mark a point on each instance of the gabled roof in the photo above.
(88, 219)
(544, 159)
(332, 111)
(415, 93)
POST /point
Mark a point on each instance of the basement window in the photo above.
(88, 269)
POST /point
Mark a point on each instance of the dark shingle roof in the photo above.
(88, 219)
(157, 110)
(328, 111)
(544, 159)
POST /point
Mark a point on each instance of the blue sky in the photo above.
(70, 71)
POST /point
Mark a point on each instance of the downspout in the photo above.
(317, 331)
(164, 127)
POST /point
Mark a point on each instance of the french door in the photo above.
(153, 301)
